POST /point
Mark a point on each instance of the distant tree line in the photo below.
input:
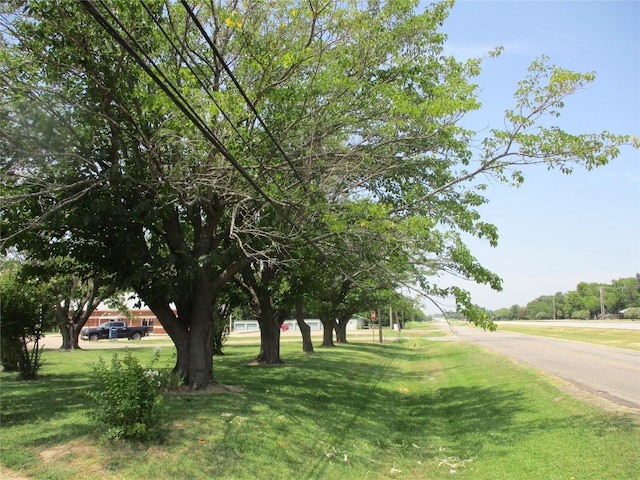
(621, 299)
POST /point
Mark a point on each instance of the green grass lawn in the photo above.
(411, 409)
(629, 339)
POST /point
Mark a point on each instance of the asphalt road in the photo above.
(609, 373)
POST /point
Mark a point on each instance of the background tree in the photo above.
(541, 308)
(75, 291)
(622, 293)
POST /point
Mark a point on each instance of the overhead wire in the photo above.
(177, 98)
(248, 101)
(208, 91)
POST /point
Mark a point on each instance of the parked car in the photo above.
(113, 330)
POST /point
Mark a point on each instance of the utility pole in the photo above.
(602, 312)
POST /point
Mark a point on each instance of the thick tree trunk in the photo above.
(269, 342)
(70, 336)
(181, 367)
(327, 334)
(305, 330)
(341, 327)
(66, 336)
(200, 351)
(61, 314)
(192, 334)
(201, 337)
(67, 326)
(179, 332)
(341, 332)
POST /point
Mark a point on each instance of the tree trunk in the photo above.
(200, 344)
(193, 338)
(269, 342)
(256, 285)
(327, 334)
(71, 323)
(341, 332)
(192, 333)
(67, 344)
(221, 327)
(305, 330)
(341, 328)
(70, 336)
(67, 327)
(75, 336)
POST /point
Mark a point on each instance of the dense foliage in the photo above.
(127, 398)
(620, 298)
(26, 309)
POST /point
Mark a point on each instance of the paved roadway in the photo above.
(610, 373)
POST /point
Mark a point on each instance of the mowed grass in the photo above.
(412, 409)
(620, 338)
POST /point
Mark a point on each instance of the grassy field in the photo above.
(629, 339)
(412, 409)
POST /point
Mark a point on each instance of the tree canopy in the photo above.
(175, 147)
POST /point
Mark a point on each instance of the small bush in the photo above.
(128, 399)
(581, 315)
(632, 312)
(171, 381)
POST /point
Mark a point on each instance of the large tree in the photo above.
(127, 142)
(102, 167)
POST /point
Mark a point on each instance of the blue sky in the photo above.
(558, 230)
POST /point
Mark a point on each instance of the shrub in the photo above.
(25, 309)
(632, 312)
(581, 315)
(128, 398)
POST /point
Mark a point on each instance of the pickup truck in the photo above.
(113, 330)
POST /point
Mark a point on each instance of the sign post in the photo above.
(373, 319)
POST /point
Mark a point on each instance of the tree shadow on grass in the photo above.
(459, 420)
(48, 397)
(344, 399)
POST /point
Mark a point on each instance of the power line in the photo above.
(240, 89)
(177, 98)
(207, 90)
(174, 95)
